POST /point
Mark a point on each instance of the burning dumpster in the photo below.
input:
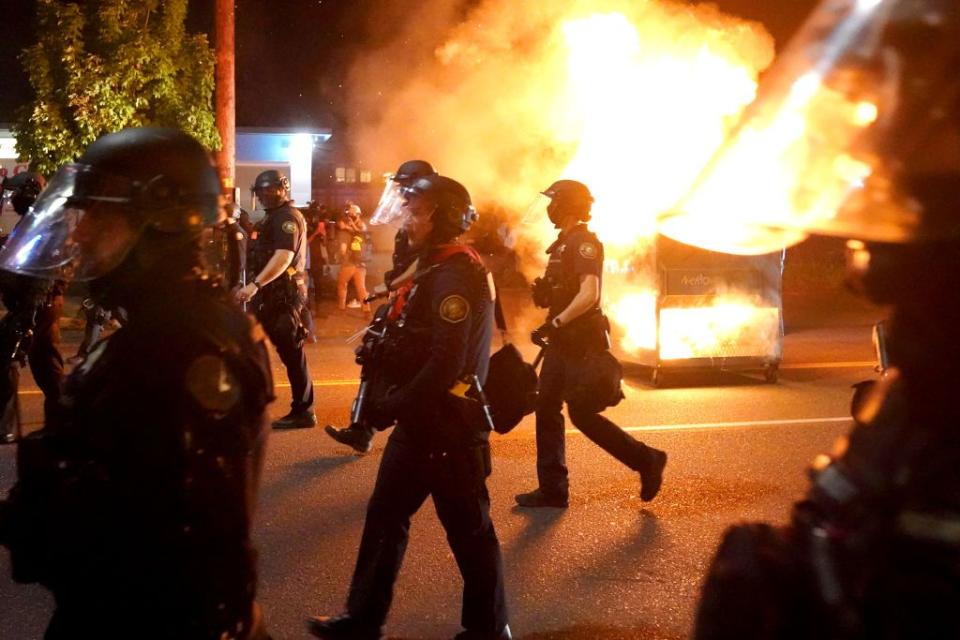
(705, 310)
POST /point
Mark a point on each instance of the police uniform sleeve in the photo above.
(285, 231)
(587, 255)
(451, 306)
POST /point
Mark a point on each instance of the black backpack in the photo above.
(511, 387)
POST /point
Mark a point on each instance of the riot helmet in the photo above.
(267, 179)
(94, 211)
(390, 207)
(453, 211)
(411, 170)
(24, 189)
(270, 177)
(568, 198)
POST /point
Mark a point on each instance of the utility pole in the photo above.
(226, 102)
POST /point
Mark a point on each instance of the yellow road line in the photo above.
(316, 383)
(735, 424)
(830, 365)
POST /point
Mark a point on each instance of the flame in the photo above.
(651, 115)
(653, 107)
(632, 98)
(782, 176)
(729, 327)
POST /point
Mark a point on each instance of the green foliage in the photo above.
(102, 65)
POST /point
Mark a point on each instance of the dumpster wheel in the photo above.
(771, 373)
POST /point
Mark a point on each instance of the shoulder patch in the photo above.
(289, 227)
(454, 308)
(588, 250)
(211, 384)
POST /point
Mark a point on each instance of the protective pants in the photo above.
(559, 364)
(285, 329)
(407, 476)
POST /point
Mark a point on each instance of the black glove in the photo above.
(541, 335)
(541, 290)
(382, 413)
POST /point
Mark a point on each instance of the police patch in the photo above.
(588, 250)
(211, 385)
(289, 227)
(454, 308)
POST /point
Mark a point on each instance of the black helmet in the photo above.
(162, 173)
(571, 193)
(454, 214)
(413, 169)
(154, 179)
(25, 188)
(571, 198)
(271, 177)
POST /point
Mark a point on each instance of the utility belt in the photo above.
(470, 402)
(286, 291)
(590, 331)
(465, 468)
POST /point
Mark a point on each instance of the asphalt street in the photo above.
(609, 567)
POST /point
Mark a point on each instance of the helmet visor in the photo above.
(77, 229)
(390, 209)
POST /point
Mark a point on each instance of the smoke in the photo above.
(482, 93)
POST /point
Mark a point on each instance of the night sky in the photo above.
(293, 55)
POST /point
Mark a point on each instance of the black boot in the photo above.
(537, 498)
(342, 627)
(651, 473)
(296, 420)
(353, 436)
(503, 634)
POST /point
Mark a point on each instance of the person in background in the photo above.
(351, 236)
(34, 305)
(316, 217)
(277, 290)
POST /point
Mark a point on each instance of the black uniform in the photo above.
(574, 254)
(38, 304)
(280, 304)
(439, 447)
(134, 504)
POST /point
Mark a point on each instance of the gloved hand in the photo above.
(542, 334)
(541, 292)
(382, 413)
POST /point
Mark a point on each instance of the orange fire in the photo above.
(730, 327)
(653, 103)
(780, 176)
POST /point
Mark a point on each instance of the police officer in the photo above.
(871, 551)
(570, 290)
(34, 307)
(134, 503)
(359, 435)
(440, 328)
(407, 173)
(277, 289)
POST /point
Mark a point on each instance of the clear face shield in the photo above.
(390, 209)
(5, 200)
(79, 228)
(864, 92)
(536, 211)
